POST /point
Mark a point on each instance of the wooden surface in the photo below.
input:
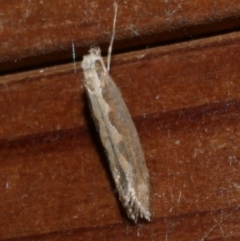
(184, 97)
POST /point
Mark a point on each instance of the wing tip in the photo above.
(136, 209)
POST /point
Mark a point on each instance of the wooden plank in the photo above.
(184, 99)
(37, 33)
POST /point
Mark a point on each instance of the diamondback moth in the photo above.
(117, 132)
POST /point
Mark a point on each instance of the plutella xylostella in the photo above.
(118, 133)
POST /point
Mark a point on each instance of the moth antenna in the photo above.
(74, 56)
(113, 36)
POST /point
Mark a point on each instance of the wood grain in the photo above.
(184, 99)
(40, 33)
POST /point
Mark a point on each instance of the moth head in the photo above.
(93, 70)
(90, 59)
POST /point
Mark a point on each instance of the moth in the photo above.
(117, 133)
